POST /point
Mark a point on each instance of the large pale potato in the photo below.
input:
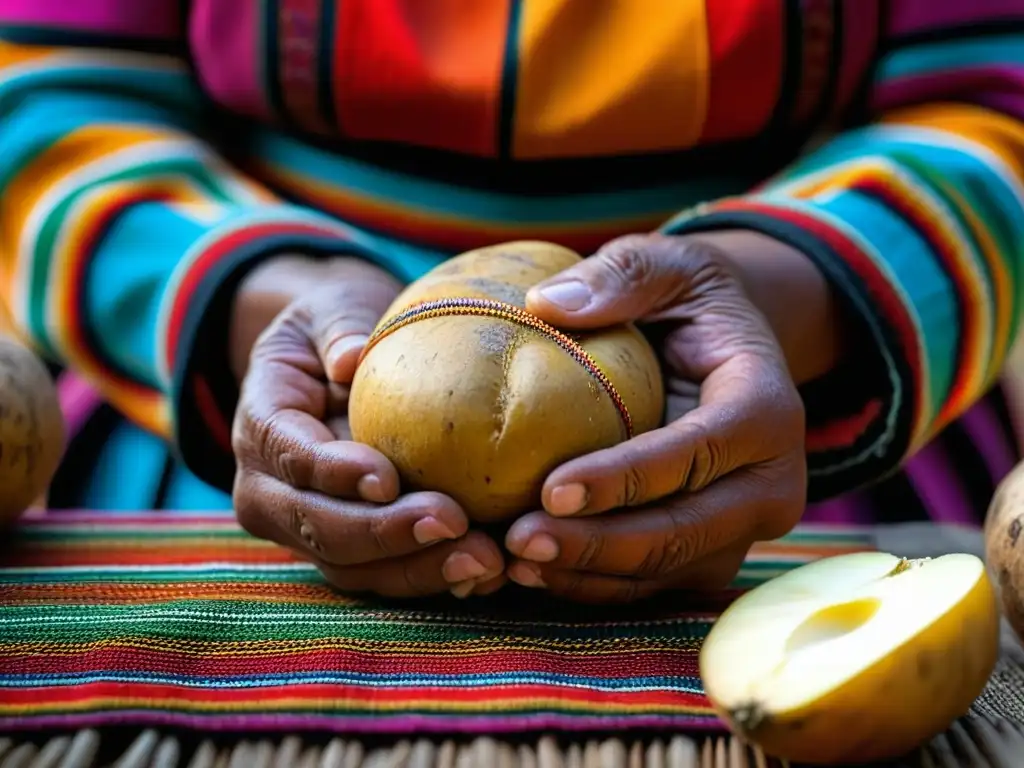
(31, 429)
(482, 408)
(1004, 546)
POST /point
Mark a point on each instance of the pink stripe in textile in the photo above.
(970, 81)
(983, 426)
(850, 509)
(909, 16)
(78, 401)
(157, 19)
(936, 482)
(224, 37)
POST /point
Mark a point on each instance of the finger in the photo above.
(628, 279)
(429, 572)
(710, 574)
(281, 424)
(747, 405)
(342, 532)
(582, 587)
(343, 319)
(749, 505)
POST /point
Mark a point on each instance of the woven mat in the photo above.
(235, 652)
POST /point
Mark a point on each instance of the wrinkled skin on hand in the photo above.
(680, 506)
(303, 483)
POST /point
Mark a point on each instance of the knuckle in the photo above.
(245, 432)
(667, 553)
(708, 263)
(634, 486)
(412, 584)
(574, 586)
(629, 591)
(593, 546)
(377, 528)
(628, 262)
(708, 456)
(287, 332)
(257, 433)
(303, 527)
(280, 458)
(691, 533)
(292, 468)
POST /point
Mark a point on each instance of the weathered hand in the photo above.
(677, 507)
(303, 483)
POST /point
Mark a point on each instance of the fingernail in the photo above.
(542, 548)
(340, 349)
(369, 489)
(461, 566)
(568, 499)
(526, 575)
(571, 296)
(430, 529)
(464, 589)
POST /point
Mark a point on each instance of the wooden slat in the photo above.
(973, 742)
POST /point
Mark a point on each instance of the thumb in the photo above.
(343, 317)
(626, 280)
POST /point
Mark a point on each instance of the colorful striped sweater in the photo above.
(151, 152)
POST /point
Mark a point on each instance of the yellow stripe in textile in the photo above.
(599, 77)
(996, 132)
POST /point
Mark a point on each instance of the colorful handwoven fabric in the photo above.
(183, 619)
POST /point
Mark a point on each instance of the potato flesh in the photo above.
(844, 660)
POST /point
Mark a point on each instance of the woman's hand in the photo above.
(677, 507)
(303, 483)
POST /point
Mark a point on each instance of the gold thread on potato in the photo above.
(488, 308)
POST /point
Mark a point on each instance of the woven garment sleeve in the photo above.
(121, 230)
(917, 218)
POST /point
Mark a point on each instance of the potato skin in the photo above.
(31, 429)
(1004, 546)
(482, 409)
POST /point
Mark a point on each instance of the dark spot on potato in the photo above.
(517, 257)
(451, 392)
(1014, 530)
(419, 472)
(499, 291)
(487, 479)
(496, 337)
(453, 267)
(449, 427)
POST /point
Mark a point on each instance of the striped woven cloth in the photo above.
(182, 619)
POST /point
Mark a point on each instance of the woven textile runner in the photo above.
(182, 619)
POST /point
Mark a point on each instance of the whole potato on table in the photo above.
(1004, 546)
(469, 395)
(31, 429)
